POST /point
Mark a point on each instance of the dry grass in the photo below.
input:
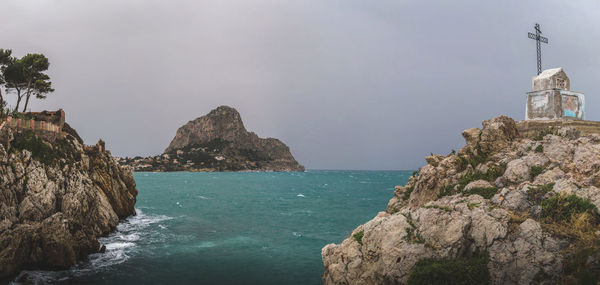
(581, 229)
(516, 218)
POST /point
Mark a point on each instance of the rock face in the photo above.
(528, 205)
(56, 198)
(219, 141)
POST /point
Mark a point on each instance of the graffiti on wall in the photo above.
(570, 105)
(539, 102)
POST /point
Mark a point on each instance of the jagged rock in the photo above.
(53, 211)
(586, 157)
(399, 199)
(532, 253)
(517, 171)
(497, 134)
(219, 141)
(447, 217)
(472, 137)
(478, 184)
(434, 159)
(549, 176)
(515, 200)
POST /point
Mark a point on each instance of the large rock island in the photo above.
(57, 195)
(219, 141)
(507, 208)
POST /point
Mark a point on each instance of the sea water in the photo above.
(232, 228)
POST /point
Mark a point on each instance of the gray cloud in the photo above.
(346, 84)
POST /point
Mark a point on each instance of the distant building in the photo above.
(551, 98)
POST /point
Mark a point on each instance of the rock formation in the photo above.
(57, 196)
(219, 141)
(504, 209)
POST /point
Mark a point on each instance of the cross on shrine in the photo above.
(539, 39)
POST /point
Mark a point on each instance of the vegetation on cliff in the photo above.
(57, 196)
(528, 204)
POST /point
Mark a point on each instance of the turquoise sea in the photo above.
(233, 228)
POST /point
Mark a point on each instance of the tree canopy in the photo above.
(25, 76)
(4, 60)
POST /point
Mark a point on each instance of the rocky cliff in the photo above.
(219, 141)
(504, 209)
(57, 196)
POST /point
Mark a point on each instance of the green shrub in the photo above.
(38, 148)
(490, 175)
(542, 134)
(536, 193)
(447, 190)
(539, 148)
(468, 270)
(48, 153)
(493, 172)
(473, 205)
(359, 236)
(443, 208)
(561, 208)
(485, 192)
(472, 159)
(412, 234)
(470, 177)
(535, 171)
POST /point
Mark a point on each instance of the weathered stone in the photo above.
(472, 138)
(587, 157)
(455, 225)
(398, 201)
(52, 216)
(554, 78)
(497, 133)
(521, 260)
(434, 159)
(515, 200)
(478, 184)
(550, 175)
(517, 171)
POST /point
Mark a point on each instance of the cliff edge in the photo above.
(504, 209)
(57, 196)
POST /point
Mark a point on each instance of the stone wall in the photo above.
(532, 128)
(48, 124)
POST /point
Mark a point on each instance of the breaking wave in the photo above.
(120, 245)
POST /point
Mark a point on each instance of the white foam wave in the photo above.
(120, 244)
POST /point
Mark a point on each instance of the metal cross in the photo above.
(539, 39)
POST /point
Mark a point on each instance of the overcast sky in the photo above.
(346, 84)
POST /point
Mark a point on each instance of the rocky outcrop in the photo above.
(56, 198)
(527, 206)
(219, 141)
